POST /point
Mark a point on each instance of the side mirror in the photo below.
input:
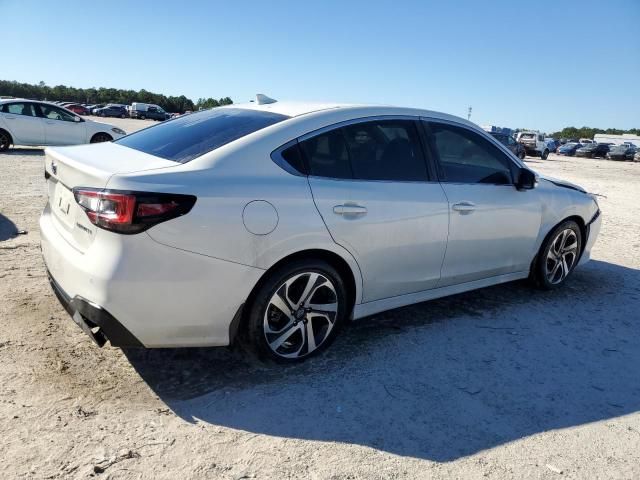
(526, 179)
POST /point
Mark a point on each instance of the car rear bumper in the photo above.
(138, 292)
(94, 320)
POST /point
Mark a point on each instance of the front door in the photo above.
(61, 128)
(493, 227)
(370, 184)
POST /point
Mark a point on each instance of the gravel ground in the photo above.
(505, 382)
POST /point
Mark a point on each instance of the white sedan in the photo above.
(27, 122)
(279, 221)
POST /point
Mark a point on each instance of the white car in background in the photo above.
(279, 221)
(33, 123)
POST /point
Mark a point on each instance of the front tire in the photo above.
(5, 140)
(545, 155)
(297, 312)
(522, 154)
(101, 137)
(558, 256)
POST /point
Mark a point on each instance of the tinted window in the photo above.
(26, 109)
(327, 155)
(466, 157)
(55, 113)
(385, 150)
(293, 157)
(190, 136)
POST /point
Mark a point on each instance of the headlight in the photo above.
(119, 131)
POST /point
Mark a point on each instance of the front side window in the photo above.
(55, 113)
(465, 157)
(26, 109)
(190, 136)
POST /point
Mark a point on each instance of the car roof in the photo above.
(297, 109)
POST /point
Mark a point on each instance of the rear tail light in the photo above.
(131, 212)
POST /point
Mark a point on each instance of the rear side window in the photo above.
(327, 155)
(376, 150)
(26, 109)
(190, 136)
(385, 150)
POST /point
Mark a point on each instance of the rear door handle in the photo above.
(464, 207)
(10, 118)
(349, 210)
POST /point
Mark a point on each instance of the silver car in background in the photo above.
(279, 221)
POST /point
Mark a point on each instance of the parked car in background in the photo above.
(534, 144)
(148, 110)
(585, 141)
(27, 122)
(569, 149)
(111, 111)
(552, 145)
(285, 253)
(622, 152)
(77, 108)
(96, 107)
(593, 150)
(508, 141)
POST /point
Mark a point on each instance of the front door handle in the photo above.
(350, 210)
(463, 207)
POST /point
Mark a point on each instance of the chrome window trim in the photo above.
(277, 157)
(279, 160)
(508, 153)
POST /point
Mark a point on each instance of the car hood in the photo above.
(562, 183)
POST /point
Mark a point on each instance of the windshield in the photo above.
(570, 145)
(190, 136)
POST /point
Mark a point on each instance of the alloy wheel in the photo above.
(300, 315)
(562, 256)
(4, 141)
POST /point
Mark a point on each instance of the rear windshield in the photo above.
(528, 136)
(190, 136)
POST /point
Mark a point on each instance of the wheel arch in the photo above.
(11, 140)
(349, 276)
(100, 133)
(583, 232)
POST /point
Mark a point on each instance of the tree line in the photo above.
(41, 91)
(588, 132)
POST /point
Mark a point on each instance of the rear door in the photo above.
(60, 126)
(21, 118)
(493, 226)
(370, 183)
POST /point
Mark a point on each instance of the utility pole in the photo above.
(469, 114)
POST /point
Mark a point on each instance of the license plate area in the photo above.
(64, 205)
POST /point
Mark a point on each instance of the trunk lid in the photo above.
(87, 166)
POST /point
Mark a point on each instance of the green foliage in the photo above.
(588, 132)
(105, 95)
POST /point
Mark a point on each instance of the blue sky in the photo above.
(543, 64)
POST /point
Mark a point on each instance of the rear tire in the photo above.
(297, 311)
(143, 117)
(545, 155)
(521, 155)
(5, 140)
(101, 137)
(558, 256)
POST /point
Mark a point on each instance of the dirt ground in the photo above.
(504, 382)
